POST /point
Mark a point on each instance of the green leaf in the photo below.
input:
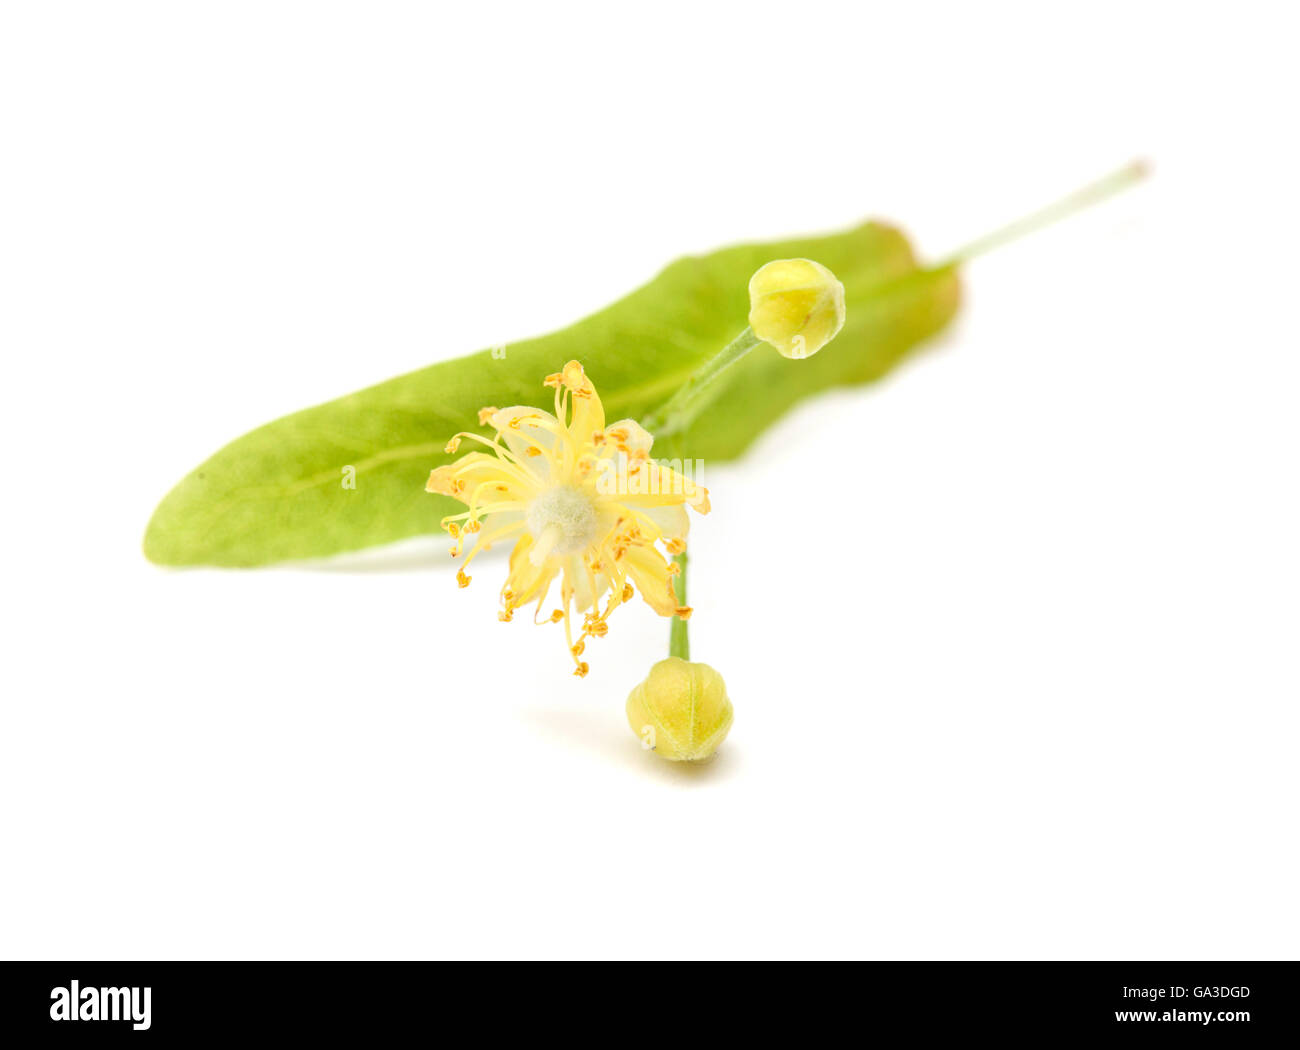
(278, 493)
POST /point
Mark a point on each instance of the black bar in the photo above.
(1245, 1001)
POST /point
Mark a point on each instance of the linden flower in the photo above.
(586, 502)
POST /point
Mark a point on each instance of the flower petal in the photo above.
(670, 519)
(526, 580)
(532, 436)
(587, 416)
(492, 478)
(649, 570)
(588, 586)
(627, 435)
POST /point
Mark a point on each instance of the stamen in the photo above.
(486, 540)
(507, 457)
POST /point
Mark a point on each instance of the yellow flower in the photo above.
(585, 501)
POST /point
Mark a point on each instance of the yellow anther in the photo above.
(557, 616)
(485, 415)
(576, 379)
(627, 592)
(506, 616)
(463, 580)
(452, 445)
(581, 670)
(684, 612)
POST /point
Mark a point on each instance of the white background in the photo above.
(1011, 636)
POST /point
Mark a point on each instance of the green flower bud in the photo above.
(797, 305)
(681, 710)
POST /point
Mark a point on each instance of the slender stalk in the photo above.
(679, 640)
(1107, 186)
(680, 410)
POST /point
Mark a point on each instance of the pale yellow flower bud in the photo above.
(681, 710)
(797, 305)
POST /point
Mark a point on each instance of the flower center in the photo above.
(562, 521)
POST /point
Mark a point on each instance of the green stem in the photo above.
(679, 639)
(1104, 187)
(680, 410)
